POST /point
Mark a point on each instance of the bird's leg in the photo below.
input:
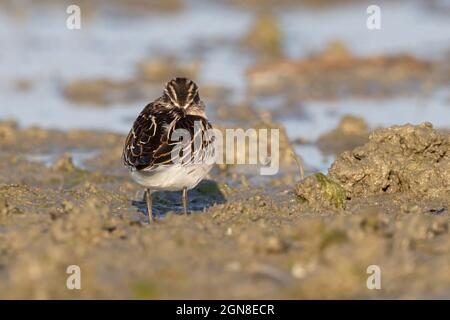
(149, 205)
(185, 200)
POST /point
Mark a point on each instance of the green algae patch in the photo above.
(321, 192)
(333, 191)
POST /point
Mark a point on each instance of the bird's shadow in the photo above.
(205, 195)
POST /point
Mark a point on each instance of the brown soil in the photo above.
(336, 73)
(144, 85)
(350, 133)
(241, 240)
(265, 37)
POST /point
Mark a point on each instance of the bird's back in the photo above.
(149, 143)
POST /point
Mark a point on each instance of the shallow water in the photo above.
(78, 157)
(322, 116)
(42, 50)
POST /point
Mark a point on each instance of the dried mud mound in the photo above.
(400, 159)
(351, 132)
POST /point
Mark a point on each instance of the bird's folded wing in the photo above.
(148, 145)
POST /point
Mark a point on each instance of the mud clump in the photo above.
(7, 209)
(143, 85)
(23, 85)
(410, 161)
(65, 163)
(164, 68)
(335, 50)
(7, 129)
(91, 221)
(265, 37)
(92, 8)
(350, 133)
(321, 192)
(261, 134)
(336, 73)
(257, 4)
(404, 158)
(97, 91)
(4, 207)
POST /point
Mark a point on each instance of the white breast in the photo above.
(171, 177)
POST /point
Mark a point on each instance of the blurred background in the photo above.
(311, 68)
(305, 64)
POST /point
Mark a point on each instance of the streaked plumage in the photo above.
(149, 149)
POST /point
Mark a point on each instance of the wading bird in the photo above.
(157, 158)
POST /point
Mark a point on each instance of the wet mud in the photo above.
(350, 133)
(336, 73)
(242, 239)
(66, 199)
(143, 85)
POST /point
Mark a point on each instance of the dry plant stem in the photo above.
(149, 205)
(299, 165)
(185, 200)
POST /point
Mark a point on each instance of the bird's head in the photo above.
(182, 94)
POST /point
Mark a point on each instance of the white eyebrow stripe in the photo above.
(174, 93)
